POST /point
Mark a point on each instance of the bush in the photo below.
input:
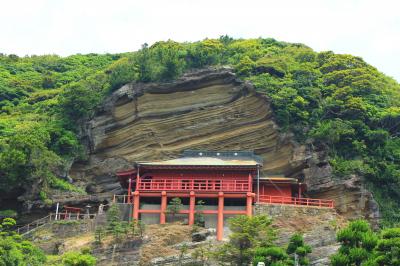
(8, 213)
(248, 234)
(16, 251)
(357, 244)
(297, 247)
(61, 184)
(74, 258)
(174, 206)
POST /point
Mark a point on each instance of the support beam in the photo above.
(220, 219)
(250, 182)
(129, 190)
(163, 207)
(137, 178)
(258, 183)
(136, 205)
(191, 207)
(249, 204)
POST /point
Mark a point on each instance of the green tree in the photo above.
(78, 101)
(297, 247)
(121, 72)
(26, 157)
(245, 66)
(388, 248)
(199, 216)
(182, 252)
(271, 256)
(204, 254)
(248, 233)
(74, 258)
(99, 234)
(357, 244)
(115, 225)
(14, 251)
(174, 206)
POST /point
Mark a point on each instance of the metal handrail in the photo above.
(296, 201)
(53, 217)
(33, 225)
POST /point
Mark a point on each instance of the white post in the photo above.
(57, 211)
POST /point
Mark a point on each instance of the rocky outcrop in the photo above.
(352, 199)
(209, 109)
(318, 226)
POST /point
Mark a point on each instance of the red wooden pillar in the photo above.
(129, 189)
(136, 202)
(163, 207)
(137, 178)
(191, 207)
(220, 219)
(250, 181)
(249, 204)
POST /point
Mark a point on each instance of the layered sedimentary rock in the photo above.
(351, 198)
(209, 109)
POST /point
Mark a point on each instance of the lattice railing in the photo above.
(296, 201)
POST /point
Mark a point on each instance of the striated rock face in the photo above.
(351, 198)
(211, 110)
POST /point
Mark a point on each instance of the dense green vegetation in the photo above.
(36, 137)
(14, 251)
(252, 241)
(72, 258)
(361, 246)
(118, 229)
(339, 101)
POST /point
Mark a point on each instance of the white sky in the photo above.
(367, 28)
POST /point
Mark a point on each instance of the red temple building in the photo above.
(229, 183)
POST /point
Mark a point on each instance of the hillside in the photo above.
(335, 106)
(162, 244)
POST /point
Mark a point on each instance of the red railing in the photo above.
(194, 185)
(296, 201)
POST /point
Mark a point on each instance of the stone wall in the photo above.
(66, 228)
(124, 253)
(51, 237)
(290, 211)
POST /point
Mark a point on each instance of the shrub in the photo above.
(174, 206)
(74, 258)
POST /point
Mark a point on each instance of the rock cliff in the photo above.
(210, 109)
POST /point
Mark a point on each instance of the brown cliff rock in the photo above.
(209, 109)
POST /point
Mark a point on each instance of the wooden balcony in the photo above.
(296, 201)
(204, 185)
